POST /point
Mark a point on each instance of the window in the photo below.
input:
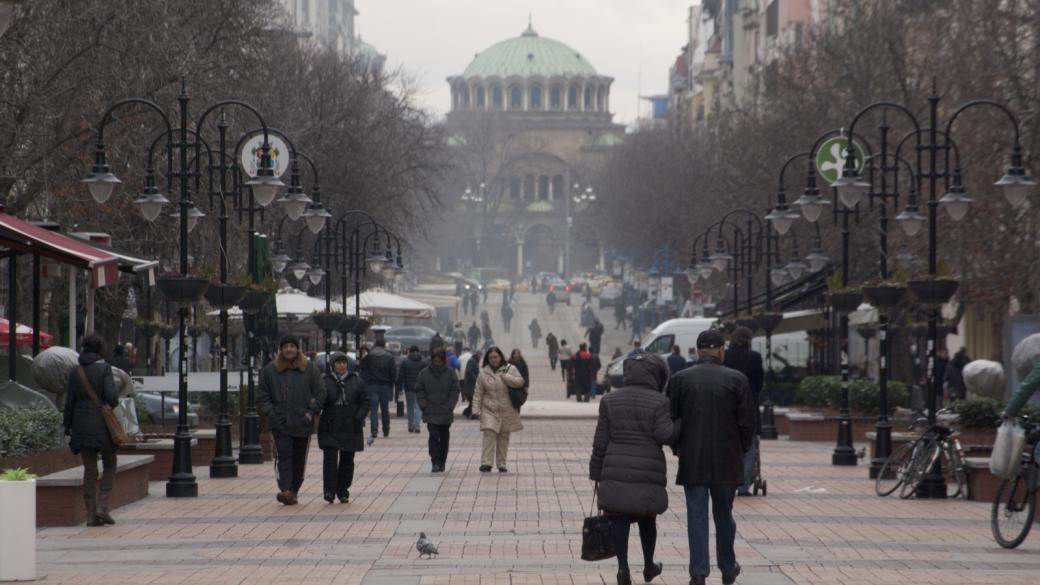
(601, 100)
(662, 344)
(772, 18)
(480, 97)
(536, 97)
(555, 98)
(557, 187)
(572, 98)
(528, 187)
(543, 187)
(514, 187)
(464, 92)
(516, 98)
(588, 98)
(496, 97)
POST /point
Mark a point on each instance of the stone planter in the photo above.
(884, 296)
(224, 296)
(933, 291)
(182, 289)
(18, 530)
(845, 301)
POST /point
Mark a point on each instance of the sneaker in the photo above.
(731, 578)
(485, 469)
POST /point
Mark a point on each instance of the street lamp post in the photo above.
(102, 183)
(579, 196)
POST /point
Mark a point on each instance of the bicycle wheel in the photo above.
(893, 472)
(1012, 514)
(955, 472)
(923, 459)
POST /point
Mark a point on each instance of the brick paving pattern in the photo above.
(819, 524)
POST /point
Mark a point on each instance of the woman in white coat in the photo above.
(498, 416)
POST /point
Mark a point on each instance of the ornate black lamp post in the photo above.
(182, 289)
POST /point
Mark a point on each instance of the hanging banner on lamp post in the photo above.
(251, 151)
(830, 158)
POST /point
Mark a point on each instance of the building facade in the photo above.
(330, 24)
(530, 120)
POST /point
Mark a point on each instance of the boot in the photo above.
(91, 505)
(624, 577)
(102, 509)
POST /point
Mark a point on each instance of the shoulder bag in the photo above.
(115, 428)
(596, 544)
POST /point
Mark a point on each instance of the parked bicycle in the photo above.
(906, 468)
(1014, 504)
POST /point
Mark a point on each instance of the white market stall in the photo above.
(387, 304)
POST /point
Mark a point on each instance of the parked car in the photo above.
(610, 295)
(160, 409)
(410, 335)
(562, 290)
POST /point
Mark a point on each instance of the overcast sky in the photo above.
(633, 41)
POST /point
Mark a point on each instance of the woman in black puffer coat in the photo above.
(341, 429)
(628, 463)
(89, 433)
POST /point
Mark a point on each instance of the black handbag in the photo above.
(517, 396)
(596, 544)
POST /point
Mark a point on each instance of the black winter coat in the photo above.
(748, 362)
(342, 424)
(288, 392)
(379, 368)
(627, 460)
(409, 370)
(717, 409)
(524, 371)
(437, 391)
(82, 417)
(582, 364)
(469, 381)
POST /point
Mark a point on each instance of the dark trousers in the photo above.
(697, 527)
(90, 471)
(379, 401)
(552, 361)
(338, 472)
(565, 370)
(440, 437)
(619, 528)
(290, 461)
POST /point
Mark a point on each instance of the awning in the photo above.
(128, 263)
(437, 301)
(295, 303)
(387, 304)
(24, 237)
(23, 335)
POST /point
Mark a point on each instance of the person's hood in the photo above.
(645, 370)
(88, 357)
(415, 356)
(378, 351)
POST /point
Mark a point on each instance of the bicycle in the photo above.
(905, 469)
(1015, 500)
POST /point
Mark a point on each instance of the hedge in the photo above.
(28, 430)
(825, 391)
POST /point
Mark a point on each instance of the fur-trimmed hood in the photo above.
(300, 363)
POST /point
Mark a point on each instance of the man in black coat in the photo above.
(380, 374)
(469, 380)
(676, 361)
(437, 391)
(747, 361)
(407, 374)
(341, 429)
(717, 409)
(290, 395)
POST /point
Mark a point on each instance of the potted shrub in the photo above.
(769, 321)
(224, 296)
(182, 290)
(167, 332)
(933, 291)
(18, 528)
(884, 295)
(843, 299)
(147, 328)
(327, 321)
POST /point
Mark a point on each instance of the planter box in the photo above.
(17, 530)
(812, 426)
(59, 496)
(161, 450)
(42, 463)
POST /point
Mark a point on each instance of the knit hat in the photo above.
(288, 338)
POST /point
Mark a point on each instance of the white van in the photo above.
(681, 332)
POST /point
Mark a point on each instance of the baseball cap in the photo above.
(710, 339)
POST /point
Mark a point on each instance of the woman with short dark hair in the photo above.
(90, 386)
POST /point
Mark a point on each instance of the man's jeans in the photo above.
(749, 465)
(697, 528)
(379, 400)
(413, 411)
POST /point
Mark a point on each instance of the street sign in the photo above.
(250, 155)
(830, 158)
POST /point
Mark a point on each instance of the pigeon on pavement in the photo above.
(425, 546)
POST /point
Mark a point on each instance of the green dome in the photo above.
(529, 55)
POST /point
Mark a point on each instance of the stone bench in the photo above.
(161, 450)
(898, 439)
(59, 496)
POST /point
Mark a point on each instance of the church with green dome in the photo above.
(529, 121)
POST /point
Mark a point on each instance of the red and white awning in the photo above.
(22, 236)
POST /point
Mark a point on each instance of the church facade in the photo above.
(529, 122)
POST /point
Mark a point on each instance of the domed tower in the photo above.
(532, 75)
(529, 122)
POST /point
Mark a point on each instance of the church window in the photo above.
(496, 97)
(543, 187)
(572, 98)
(557, 187)
(528, 187)
(555, 98)
(536, 97)
(588, 98)
(514, 187)
(516, 98)
(480, 97)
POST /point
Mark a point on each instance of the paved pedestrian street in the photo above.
(819, 524)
